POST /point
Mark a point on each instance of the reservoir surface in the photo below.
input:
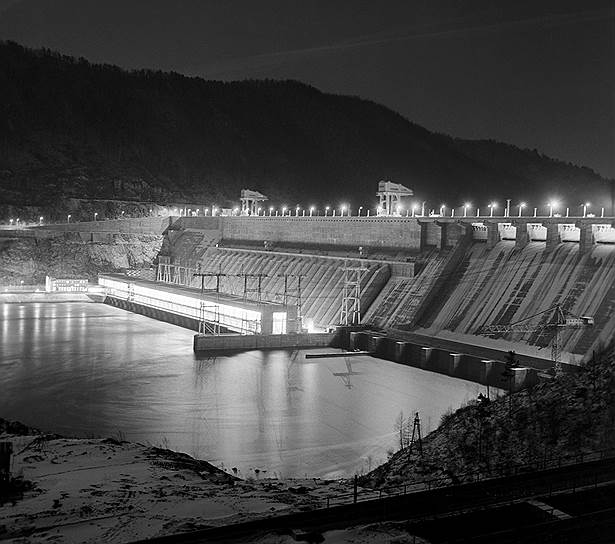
(87, 369)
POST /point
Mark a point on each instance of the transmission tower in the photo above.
(293, 292)
(207, 327)
(247, 289)
(416, 435)
(351, 295)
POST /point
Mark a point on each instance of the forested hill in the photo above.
(69, 128)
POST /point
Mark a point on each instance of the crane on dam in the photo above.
(560, 319)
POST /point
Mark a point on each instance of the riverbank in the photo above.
(109, 490)
(565, 420)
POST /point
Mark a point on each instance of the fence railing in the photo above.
(366, 494)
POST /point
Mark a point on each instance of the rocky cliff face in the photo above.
(31, 259)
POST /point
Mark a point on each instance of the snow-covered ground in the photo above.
(102, 490)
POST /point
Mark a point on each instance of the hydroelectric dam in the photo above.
(428, 289)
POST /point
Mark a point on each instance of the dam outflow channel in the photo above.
(87, 369)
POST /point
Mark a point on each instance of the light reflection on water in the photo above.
(94, 370)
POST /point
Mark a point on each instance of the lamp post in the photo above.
(68, 218)
(491, 207)
(95, 215)
(283, 211)
(359, 212)
(465, 209)
(40, 220)
(343, 209)
(551, 206)
(297, 211)
(521, 206)
(413, 210)
(270, 210)
(442, 209)
(311, 210)
(326, 210)
(423, 209)
(585, 206)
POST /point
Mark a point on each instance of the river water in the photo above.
(88, 369)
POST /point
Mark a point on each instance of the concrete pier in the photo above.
(444, 361)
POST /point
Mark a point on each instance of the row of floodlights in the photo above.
(414, 210)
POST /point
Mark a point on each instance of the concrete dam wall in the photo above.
(427, 274)
(505, 284)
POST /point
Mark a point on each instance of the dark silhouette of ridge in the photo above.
(69, 128)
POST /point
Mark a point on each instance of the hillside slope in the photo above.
(69, 128)
(572, 415)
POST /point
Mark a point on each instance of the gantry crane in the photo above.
(560, 319)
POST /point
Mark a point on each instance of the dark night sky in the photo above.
(538, 74)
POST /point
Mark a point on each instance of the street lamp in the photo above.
(552, 205)
(11, 222)
(585, 206)
(359, 212)
(465, 209)
(283, 210)
(343, 209)
(297, 211)
(491, 207)
(40, 220)
(270, 210)
(326, 210)
(311, 210)
(521, 206)
(68, 218)
(442, 209)
(95, 215)
(414, 207)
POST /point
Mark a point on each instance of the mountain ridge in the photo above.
(73, 129)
